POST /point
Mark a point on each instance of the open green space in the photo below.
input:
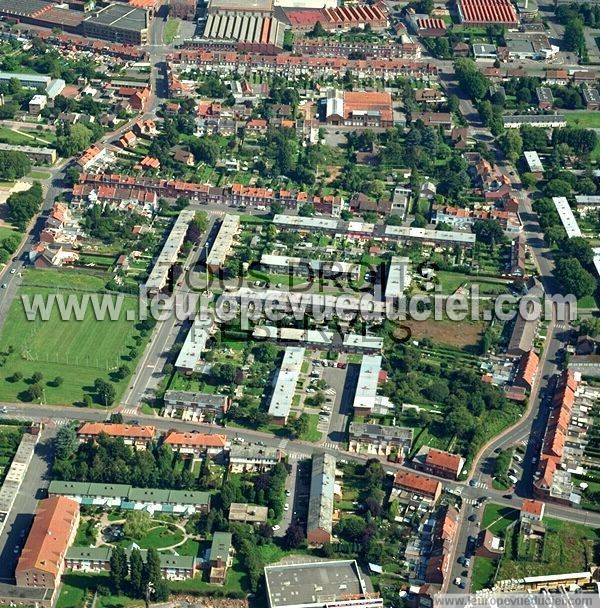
(77, 352)
(497, 518)
(159, 537)
(584, 118)
(484, 570)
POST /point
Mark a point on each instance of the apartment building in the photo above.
(135, 436)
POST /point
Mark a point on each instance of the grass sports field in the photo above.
(76, 351)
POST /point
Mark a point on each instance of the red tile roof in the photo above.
(534, 507)
(49, 537)
(417, 483)
(488, 12)
(444, 460)
(117, 430)
(196, 439)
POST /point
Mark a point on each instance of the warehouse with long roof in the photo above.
(248, 32)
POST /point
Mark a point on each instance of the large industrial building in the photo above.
(245, 31)
(118, 23)
(319, 585)
(487, 12)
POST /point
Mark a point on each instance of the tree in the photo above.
(58, 380)
(37, 377)
(574, 38)
(136, 569)
(13, 165)
(297, 426)
(22, 206)
(66, 442)
(294, 536)
(488, 231)
(351, 527)
(574, 278)
(578, 247)
(306, 210)
(471, 80)
(105, 391)
(35, 392)
(122, 372)
(512, 144)
(137, 524)
(118, 568)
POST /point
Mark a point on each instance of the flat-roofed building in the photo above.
(319, 338)
(587, 202)
(285, 384)
(542, 121)
(366, 399)
(194, 406)
(31, 81)
(319, 524)
(134, 435)
(321, 584)
(42, 559)
(283, 264)
(306, 223)
(169, 254)
(360, 343)
(223, 242)
(425, 235)
(253, 458)
(534, 163)
(194, 345)
(545, 98)
(398, 277)
(567, 216)
(197, 445)
(118, 23)
(591, 96)
(16, 472)
(380, 440)
(46, 156)
(247, 513)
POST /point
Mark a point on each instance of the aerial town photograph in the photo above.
(299, 303)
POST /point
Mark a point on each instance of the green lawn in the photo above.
(584, 118)
(312, 434)
(170, 31)
(157, 538)
(483, 573)
(497, 518)
(76, 351)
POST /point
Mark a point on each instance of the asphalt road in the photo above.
(20, 518)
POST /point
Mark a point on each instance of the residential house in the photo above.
(438, 462)
(319, 523)
(42, 560)
(134, 435)
(380, 440)
(251, 457)
(220, 557)
(195, 407)
(197, 445)
(407, 484)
